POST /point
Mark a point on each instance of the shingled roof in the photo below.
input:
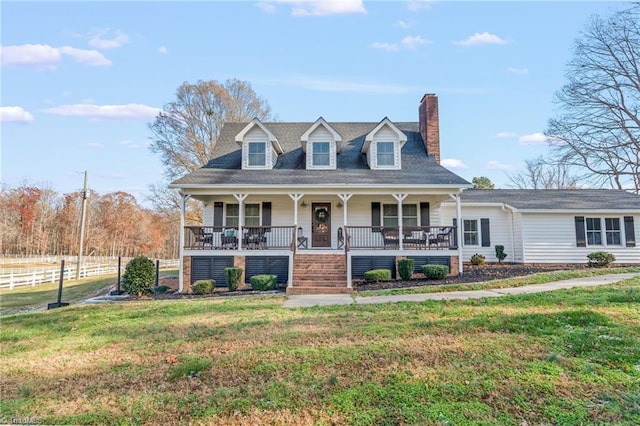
(556, 199)
(225, 168)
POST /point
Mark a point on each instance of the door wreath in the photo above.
(322, 215)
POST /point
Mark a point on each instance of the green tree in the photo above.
(482, 182)
(138, 276)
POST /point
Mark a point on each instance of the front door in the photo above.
(321, 225)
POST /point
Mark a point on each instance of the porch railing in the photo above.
(413, 238)
(228, 238)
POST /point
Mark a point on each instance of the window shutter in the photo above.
(266, 213)
(217, 213)
(424, 214)
(455, 232)
(581, 240)
(484, 231)
(375, 216)
(629, 233)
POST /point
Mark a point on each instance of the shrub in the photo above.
(233, 276)
(500, 254)
(477, 259)
(139, 276)
(600, 259)
(263, 282)
(405, 268)
(203, 286)
(161, 289)
(435, 272)
(377, 275)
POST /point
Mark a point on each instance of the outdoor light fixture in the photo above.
(303, 205)
(339, 205)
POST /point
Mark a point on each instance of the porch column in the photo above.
(240, 198)
(295, 198)
(400, 198)
(183, 206)
(459, 233)
(344, 198)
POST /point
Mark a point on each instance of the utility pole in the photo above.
(85, 195)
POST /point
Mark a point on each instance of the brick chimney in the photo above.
(429, 125)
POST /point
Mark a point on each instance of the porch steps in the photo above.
(319, 274)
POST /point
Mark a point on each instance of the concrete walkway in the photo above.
(347, 299)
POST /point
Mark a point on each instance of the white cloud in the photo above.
(452, 163)
(534, 139)
(401, 24)
(416, 5)
(95, 145)
(517, 71)
(495, 165)
(48, 56)
(412, 41)
(14, 114)
(479, 39)
(115, 112)
(316, 7)
(506, 135)
(389, 47)
(266, 7)
(163, 50)
(103, 40)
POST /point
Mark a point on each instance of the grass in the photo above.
(539, 278)
(28, 297)
(566, 357)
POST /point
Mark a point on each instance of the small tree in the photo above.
(500, 254)
(138, 276)
(405, 268)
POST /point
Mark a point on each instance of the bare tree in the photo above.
(597, 128)
(543, 173)
(186, 131)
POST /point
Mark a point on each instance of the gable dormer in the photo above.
(321, 143)
(382, 146)
(260, 148)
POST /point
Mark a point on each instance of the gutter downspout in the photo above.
(506, 207)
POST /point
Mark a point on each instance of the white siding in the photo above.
(207, 214)
(551, 238)
(500, 230)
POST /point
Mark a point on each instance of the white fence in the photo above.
(20, 277)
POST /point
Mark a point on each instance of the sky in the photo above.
(80, 81)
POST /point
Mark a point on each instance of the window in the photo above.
(257, 154)
(612, 229)
(321, 154)
(252, 215)
(385, 153)
(409, 215)
(594, 231)
(233, 213)
(470, 232)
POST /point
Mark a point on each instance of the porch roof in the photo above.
(225, 168)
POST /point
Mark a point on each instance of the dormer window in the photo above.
(321, 154)
(257, 153)
(322, 144)
(260, 148)
(383, 146)
(385, 153)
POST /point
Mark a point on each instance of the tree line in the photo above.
(37, 220)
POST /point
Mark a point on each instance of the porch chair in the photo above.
(390, 237)
(254, 238)
(228, 239)
(415, 238)
(442, 238)
(201, 237)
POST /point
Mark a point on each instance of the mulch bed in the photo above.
(473, 274)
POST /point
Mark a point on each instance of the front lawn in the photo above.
(565, 357)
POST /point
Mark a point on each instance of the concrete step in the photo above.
(319, 283)
(318, 290)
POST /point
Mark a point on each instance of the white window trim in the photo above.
(478, 232)
(417, 216)
(266, 155)
(603, 231)
(226, 213)
(331, 153)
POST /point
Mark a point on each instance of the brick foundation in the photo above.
(455, 265)
(238, 262)
(186, 274)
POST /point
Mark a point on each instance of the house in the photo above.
(548, 226)
(320, 203)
